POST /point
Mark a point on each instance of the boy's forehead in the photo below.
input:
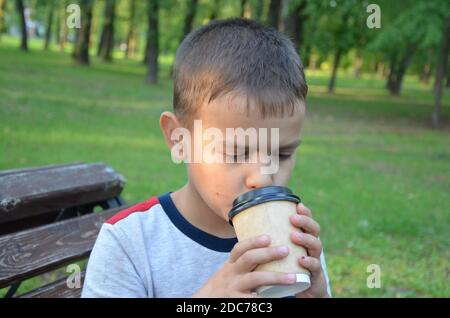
(233, 112)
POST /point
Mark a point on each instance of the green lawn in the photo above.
(376, 176)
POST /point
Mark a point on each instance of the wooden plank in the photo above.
(33, 169)
(35, 251)
(58, 289)
(30, 192)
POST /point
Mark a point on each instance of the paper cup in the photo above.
(267, 211)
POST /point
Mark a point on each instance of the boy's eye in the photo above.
(285, 156)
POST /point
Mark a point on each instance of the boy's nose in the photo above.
(258, 180)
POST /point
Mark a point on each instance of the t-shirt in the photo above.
(151, 250)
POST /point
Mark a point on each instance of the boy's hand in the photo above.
(237, 278)
(309, 239)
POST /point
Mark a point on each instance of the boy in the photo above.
(232, 73)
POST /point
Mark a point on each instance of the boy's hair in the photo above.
(239, 56)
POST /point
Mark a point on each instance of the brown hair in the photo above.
(241, 56)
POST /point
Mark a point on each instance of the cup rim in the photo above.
(259, 196)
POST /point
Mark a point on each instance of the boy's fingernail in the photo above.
(263, 238)
(283, 250)
(290, 278)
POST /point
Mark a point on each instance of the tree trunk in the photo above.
(106, 43)
(152, 40)
(131, 41)
(257, 11)
(426, 73)
(190, 15)
(215, 10)
(243, 3)
(23, 25)
(81, 53)
(188, 23)
(448, 76)
(294, 24)
(440, 69)
(48, 29)
(392, 71)
(337, 58)
(58, 28)
(396, 86)
(2, 15)
(274, 13)
(65, 29)
(357, 66)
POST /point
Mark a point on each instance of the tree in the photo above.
(106, 42)
(131, 35)
(2, 15)
(189, 19)
(81, 52)
(274, 13)
(293, 24)
(257, 10)
(242, 8)
(341, 26)
(188, 22)
(415, 28)
(63, 27)
(441, 68)
(23, 25)
(215, 10)
(48, 29)
(152, 42)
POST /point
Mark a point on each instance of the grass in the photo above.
(370, 167)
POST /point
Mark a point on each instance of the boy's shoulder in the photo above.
(141, 207)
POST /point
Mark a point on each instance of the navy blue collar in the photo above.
(201, 237)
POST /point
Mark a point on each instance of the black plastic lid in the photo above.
(261, 195)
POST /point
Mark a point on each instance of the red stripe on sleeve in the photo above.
(140, 207)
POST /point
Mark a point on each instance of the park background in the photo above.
(374, 162)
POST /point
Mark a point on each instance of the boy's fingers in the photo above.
(261, 278)
(311, 243)
(241, 247)
(306, 223)
(254, 257)
(302, 209)
(312, 264)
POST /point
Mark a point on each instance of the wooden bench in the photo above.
(47, 221)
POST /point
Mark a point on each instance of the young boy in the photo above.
(232, 73)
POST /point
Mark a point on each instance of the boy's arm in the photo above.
(110, 271)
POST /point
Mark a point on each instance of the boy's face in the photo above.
(220, 183)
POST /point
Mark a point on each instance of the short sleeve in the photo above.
(110, 271)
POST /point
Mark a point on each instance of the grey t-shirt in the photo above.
(151, 250)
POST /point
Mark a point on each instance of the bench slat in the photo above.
(31, 192)
(56, 289)
(35, 251)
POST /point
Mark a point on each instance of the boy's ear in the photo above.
(168, 123)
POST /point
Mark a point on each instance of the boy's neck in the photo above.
(195, 211)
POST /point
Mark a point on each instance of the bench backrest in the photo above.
(32, 197)
(35, 238)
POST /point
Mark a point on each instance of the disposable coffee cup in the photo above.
(267, 211)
